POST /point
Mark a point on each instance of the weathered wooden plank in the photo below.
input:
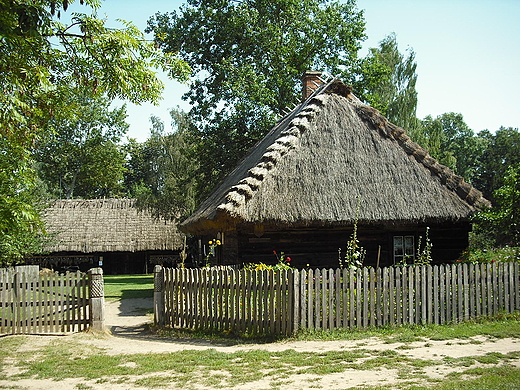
(455, 294)
(500, 286)
(324, 299)
(331, 298)
(391, 295)
(352, 299)
(338, 296)
(465, 283)
(372, 296)
(359, 314)
(403, 275)
(310, 300)
(418, 295)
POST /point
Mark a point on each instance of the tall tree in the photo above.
(449, 139)
(501, 152)
(387, 82)
(248, 57)
(41, 60)
(81, 157)
(501, 224)
(162, 171)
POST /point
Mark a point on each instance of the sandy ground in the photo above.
(126, 334)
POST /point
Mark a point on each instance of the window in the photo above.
(404, 249)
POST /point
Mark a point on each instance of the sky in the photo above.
(467, 54)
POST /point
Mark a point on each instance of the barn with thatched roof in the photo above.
(329, 163)
(110, 232)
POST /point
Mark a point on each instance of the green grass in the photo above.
(67, 358)
(195, 368)
(128, 286)
(500, 326)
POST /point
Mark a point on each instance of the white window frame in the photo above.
(403, 246)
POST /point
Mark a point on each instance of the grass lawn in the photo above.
(208, 368)
(128, 286)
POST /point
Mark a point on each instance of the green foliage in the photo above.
(424, 253)
(20, 225)
(162, 171)
(354, 254)
(82, 157)
(449, 140)
(500, 152)
(388, 82)
(283, 262)
(491, 255)
(501, 224)
(42, 60)
(248, 58)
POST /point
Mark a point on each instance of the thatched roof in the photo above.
(107, 225)
(330, 152)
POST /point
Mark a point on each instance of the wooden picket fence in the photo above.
(281, 302)
(41, 304)
(406, 295)
(225, 299)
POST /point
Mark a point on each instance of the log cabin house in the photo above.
(111, 233)
(333, 163)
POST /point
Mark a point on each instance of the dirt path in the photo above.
(126, 320)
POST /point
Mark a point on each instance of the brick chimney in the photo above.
(310, 81)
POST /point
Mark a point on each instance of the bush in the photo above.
(492, 255)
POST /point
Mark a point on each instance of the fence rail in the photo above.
(281, 302)
(40, 304)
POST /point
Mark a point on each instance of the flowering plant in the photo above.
(213, 243)
(284, 262)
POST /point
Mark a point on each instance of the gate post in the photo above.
(96, 299)
(158, 298)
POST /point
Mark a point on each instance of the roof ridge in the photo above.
(448, 177)
(288, 140)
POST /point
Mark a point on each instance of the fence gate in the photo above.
(31, 303)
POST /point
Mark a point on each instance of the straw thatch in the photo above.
(316, 164)
(107, 225)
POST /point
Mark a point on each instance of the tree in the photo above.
(501, 152)
(387, 82)
(81, 157)
(502, 222)
(162, 171)
(449, 139)
(248, 57)
(41, 61)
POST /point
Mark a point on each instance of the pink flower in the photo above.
(288, 258)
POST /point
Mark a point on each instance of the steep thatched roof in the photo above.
(107, 225)
(315, 164)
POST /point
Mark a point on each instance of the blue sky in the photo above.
(467, 54)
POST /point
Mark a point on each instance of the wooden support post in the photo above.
(97, 299)
(158, 297)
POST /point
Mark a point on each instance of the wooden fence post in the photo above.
(158, 298)
(97, 299)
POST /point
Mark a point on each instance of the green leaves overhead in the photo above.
(248, 57)
(45, 60)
